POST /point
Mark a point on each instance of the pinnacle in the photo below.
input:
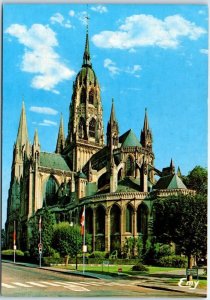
(22, 136)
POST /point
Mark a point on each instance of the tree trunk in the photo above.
(190, 265)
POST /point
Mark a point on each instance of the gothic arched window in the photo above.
(82, 128)
(129, 166)
(92, 127)
(50, 192)
(91, 97)
(83, 96)
(129, 218)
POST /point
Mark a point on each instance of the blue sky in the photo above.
(145, 56)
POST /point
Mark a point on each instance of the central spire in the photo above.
(86, 55)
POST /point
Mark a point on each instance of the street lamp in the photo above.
(72, 224)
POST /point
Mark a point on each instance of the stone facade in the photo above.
(115, 181)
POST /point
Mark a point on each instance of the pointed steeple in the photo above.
(146, 122)
(146, 134)
(36, 146)
(112, 129)
(36, 138)
(112, 115)
(61, 138)
(179, 173)
(86, 55)
(22, 136)
(172, 168)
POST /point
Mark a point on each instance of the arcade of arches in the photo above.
(110, 226)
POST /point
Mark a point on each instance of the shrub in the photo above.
(140, 267)
(10, 252)
(47, 261)
(172, 261)
(98, 254)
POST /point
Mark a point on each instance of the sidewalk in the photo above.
(150, 281)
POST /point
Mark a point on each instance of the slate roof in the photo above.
(53, 161)
(169, 182)
(129, 139)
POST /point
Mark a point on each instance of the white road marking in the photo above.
(36, 284)
(72, 287)
(8, 286)
(50, 283)
(92, 283)
(21, 284)
(100, 283)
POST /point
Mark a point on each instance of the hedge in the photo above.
(10, 252)
(172, 261)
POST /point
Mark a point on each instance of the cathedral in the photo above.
(113, 175)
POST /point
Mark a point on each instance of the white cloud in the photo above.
(114, 70)
(58, 18)
(43, 110)
(111, 66)
(99, 8)
(71, 13)
(146, 30)
(133, 70)
(40, 57)
(48, 123)
(204, 51)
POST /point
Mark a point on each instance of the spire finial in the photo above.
(87, 20)
(36, 139)
(146, 122)
(112, 116)
(61, 137)
(22, 136)
(86, 56)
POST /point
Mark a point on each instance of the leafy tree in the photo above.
(197, 180)
(3, 239)
(48, 221)
(183, 220)
(67, 240)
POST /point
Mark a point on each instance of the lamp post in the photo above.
(72, 224)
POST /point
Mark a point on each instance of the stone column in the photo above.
(30, 196)
(122, 227)
(135, 223)
(135, 235)
(107, 231)
(94, 228)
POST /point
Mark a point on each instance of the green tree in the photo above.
(47, 223)
(183, 220)
(67, 240)
(197, 180)
(3, 239)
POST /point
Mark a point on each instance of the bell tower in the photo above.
(85, 128)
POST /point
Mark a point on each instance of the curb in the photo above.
(172, 290)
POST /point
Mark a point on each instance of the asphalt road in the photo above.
(18, 280)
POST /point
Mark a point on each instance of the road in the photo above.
(18, 280)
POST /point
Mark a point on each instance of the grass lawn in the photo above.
(127, 269)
